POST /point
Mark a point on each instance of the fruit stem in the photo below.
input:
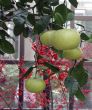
(35, 73)
(73, 67)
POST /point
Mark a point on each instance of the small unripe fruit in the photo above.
(73, 54)
(46, 37)
(35, 85)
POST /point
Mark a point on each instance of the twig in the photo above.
(73, 67)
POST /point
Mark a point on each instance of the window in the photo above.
(83, 15)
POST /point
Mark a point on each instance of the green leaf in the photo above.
(59, 52)
(74, 3)
(56, 26)
(84, 36)
(3, 25)
(90, 40)
(41, 4)
(58, 18)
(3, 33)
(80, 95)
(18, 29)
(80, 74)
(1, 52)
(29, 0)
(55, 50)
(39, 56)
(28, 72)
(52, 67)
(7, 4)
(64, 11)
(91, 36)
(20, 16)
(18, 20)
(25, 1)
(47, 10)
(42, 24)
(6, 46)
(80, 25)
(54, 2)
(71, 84)
(31, 18)
(26, 32)
(20, 5)
(70, 16)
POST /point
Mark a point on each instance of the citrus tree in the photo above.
(45, 21)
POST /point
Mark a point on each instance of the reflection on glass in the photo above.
(86, 24)
(14, 42)
(8, 85)
(28, 51)
(87, 47)
(84, 8)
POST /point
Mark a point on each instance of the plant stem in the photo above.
(35, 73)
(71, 102)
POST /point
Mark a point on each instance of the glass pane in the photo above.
(84, 8)
(14, 42)
(28, 52)
(87, 47)
(86, 24)
(87, 90)
(87, 50)
(8, 85)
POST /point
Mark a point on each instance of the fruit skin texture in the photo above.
(66, 39)
(73, 54)
(35, 85)
(45, 38)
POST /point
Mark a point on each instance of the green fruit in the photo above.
(66, 39)
(35, 85)
(72, 54)
(45, 38)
